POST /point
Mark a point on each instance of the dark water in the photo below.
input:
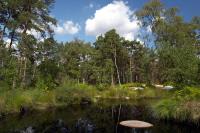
(96, 118)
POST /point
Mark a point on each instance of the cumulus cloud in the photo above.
(68, 27)
(116, 15)
(34, 33)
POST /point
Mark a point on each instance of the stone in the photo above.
(136, 124)
(138, 88)
(158, 86)
(168, 87)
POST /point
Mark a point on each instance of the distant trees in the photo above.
(76, 60)
(29, 61)
(111, 60)
(175, 42)
(19, 18)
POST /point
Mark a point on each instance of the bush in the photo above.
(73, 93)
(102, 87)
(46, 84)
(119, 92)
(16, 99)
(188, 93)
(45, 97)
(183, 105)
(148, 93)
(128, 85)
(165, 109)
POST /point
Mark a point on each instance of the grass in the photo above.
(183, 105)
(180, 105)
(13, 100)
(68, 93)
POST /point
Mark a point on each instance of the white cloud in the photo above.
(68, 27)
(34, 33)
(7, 42)
(116, 15)
(59, 29)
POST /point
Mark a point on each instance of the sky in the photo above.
(86, 19)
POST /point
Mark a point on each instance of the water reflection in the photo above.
(94, 118)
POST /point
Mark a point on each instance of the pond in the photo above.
(101, 117)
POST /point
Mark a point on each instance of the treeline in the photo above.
(171, 55)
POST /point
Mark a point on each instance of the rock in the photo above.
(127, 98)
(143, 85)
(168, 87)
(98, 96)
(84, 125)
(159, 86)
(137, 88)
(85, 101)
(23, 110)
(59, 123)
(64, 130)
(2, 116)
(28, 130)
(136, 124)
(90, 128)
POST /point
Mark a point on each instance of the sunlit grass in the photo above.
(183, 105)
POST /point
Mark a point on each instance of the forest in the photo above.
(39, 73)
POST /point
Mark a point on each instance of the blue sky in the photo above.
(86, 19)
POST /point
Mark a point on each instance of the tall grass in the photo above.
(74, 93)
(183, 105)
(13, 100)
(42, 97)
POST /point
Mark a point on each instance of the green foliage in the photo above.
(176, 110)
(40, 84)
(164, 109)
(183, 105)
(135, 84)
(74, 93)
(46, 83)
(43, 97)
(119, 93)
(102, 87)
(188, 93)
(14, 100)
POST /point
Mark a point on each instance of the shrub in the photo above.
(165, 108)
(43, 96)
(183, 105)
(188, 93)
(128, 85)
(15, 99)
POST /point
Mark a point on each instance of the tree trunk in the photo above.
(131, 73)
(14, 83)
(78, 80)
(83, 80)
(3, 31)
(11, 39)
(20, 68)
(24, 73)
(112, 80)
(115, 61)
(34, 71)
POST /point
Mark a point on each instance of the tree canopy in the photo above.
(26, 61)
